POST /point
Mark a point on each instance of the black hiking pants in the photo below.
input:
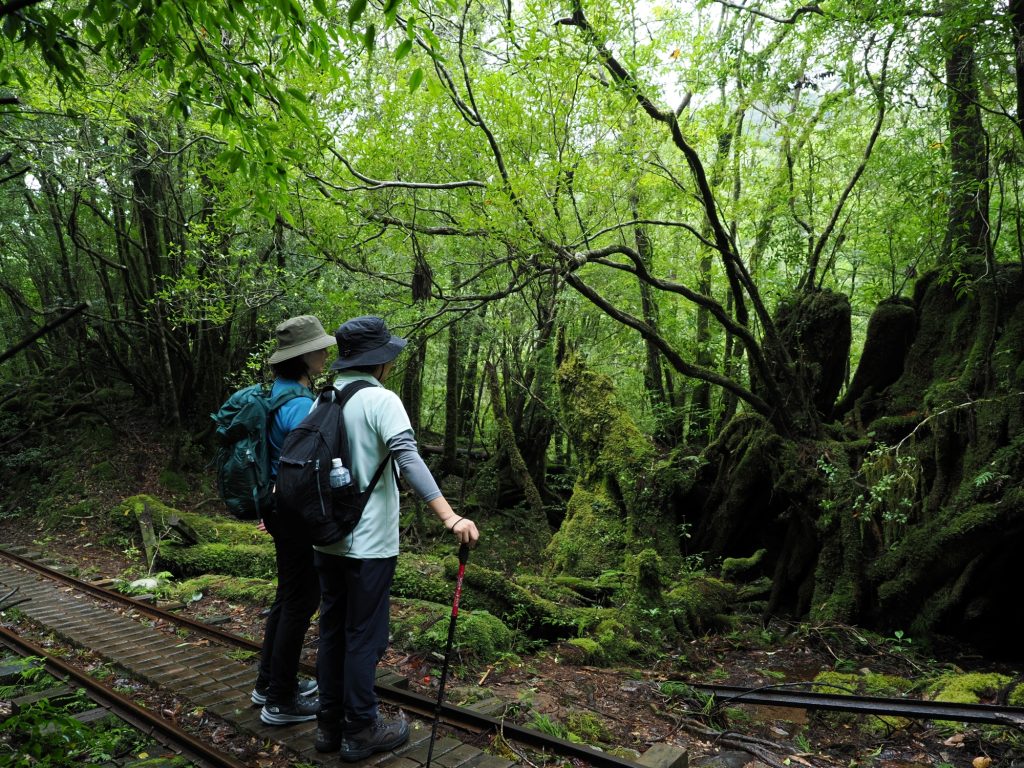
(296, 600)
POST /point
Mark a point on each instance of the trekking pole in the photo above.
(463, 557)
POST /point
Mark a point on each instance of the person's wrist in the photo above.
(457, 519)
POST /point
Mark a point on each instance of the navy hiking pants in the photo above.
(354, 620)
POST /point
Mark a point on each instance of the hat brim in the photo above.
(382, 354)
(313, 345)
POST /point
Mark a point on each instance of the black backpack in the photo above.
(243, 457)
(304, 491)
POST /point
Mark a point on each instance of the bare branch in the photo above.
(16, 174)
(655, 223)
(812, 8)
(673, 357)
(375, 184)
(421, 229)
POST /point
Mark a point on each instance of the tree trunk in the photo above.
(451, 401)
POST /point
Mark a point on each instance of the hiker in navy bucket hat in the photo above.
(356, 572)
(365, 341)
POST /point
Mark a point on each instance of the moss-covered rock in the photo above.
(736, 567)
(616, 642)
(1016, 696)
(422, 626)
(699, 603)
(586, 650)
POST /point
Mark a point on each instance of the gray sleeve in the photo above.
(410, 463)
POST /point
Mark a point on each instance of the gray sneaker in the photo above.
(306, 688)
(382, 735)
(301, 709)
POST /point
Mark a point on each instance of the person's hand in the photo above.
(464, 529)
(261, 527)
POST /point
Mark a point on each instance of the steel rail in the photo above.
(130, 602)
(142, 719)
(868, 705)
(453, 715)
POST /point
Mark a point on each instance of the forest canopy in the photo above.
(699, 277)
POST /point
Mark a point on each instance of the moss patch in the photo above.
(422, 626)
(257, 591)
(968, 688)
(246, 560)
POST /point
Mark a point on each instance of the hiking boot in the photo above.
(381, 735)
(259, 693)
(302, 708)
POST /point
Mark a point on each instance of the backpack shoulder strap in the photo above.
(285, 395)
(346, 392)
(344, 396)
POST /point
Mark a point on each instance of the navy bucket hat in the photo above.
(365, 341)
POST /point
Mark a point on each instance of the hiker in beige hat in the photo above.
(301, 354)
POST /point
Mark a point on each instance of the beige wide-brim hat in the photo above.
(298, 335)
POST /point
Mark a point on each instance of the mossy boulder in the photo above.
(699, 603)
(736, 567)
(422, 626)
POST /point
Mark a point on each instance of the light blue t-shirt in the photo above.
(372, 417)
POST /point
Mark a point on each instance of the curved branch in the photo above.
(797, 13)
(422, 229)
(674, 358)
(656, 223)
(639, 269)
(375, 184)
(723, 240)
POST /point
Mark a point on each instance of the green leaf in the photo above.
(355, 11)
(370, 37)
(391, 11)
(415, 79)
(432, 40)
(403, 49)
(321, 7)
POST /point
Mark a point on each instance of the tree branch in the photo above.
(803, 9)
(375, 184)
(674, 358)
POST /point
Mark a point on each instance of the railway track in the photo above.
(105, 710)
(203, 672)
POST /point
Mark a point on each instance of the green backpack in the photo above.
(244, 481)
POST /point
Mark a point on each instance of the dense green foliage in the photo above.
(638, 251)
